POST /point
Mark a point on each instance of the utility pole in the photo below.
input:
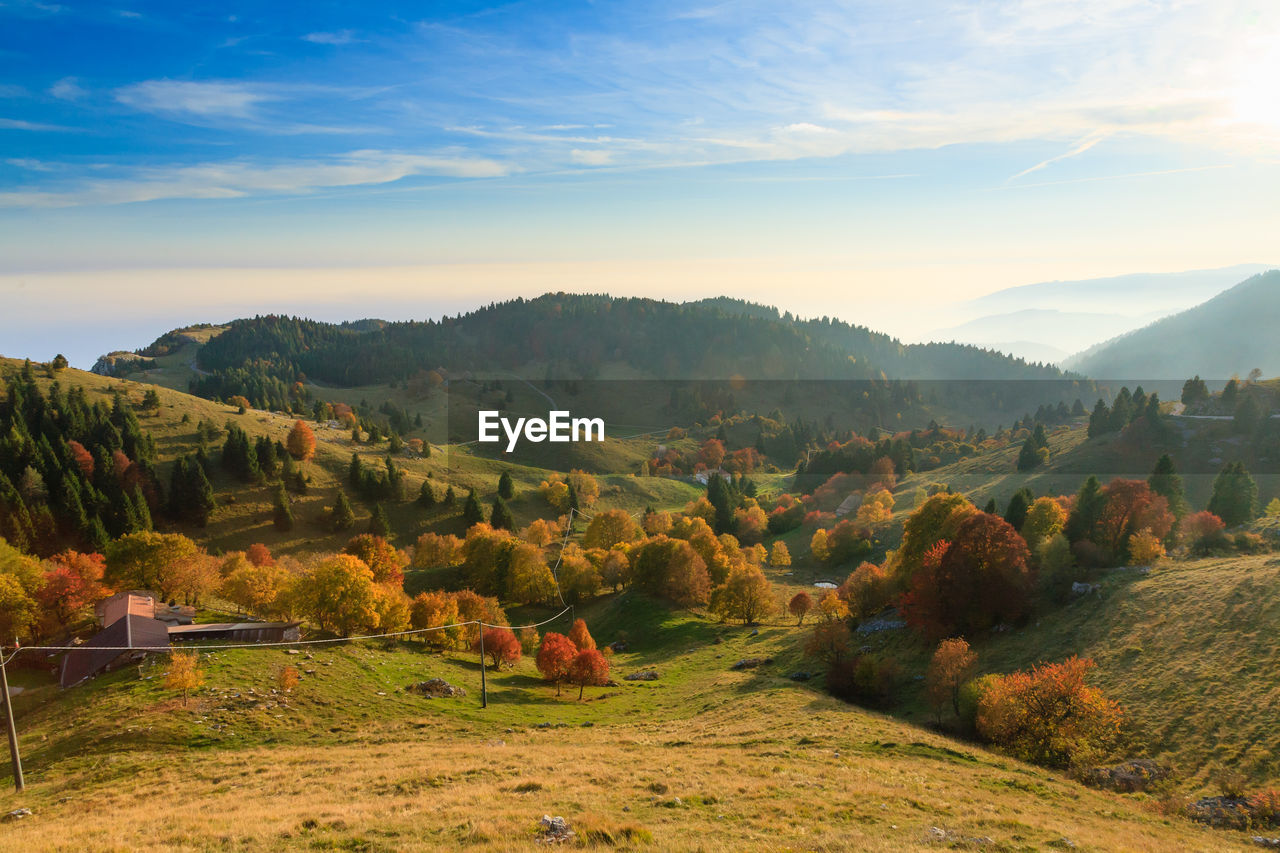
(484, 691)
(18, 784)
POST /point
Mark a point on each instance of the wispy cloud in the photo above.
(20, 124)
(189, 98)
(67, 89)
(1075, 151)
(237, 179)
(1096, 178)
(336, 39)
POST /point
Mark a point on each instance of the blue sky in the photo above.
(165, 163)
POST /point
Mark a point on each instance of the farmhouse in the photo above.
(237, 632)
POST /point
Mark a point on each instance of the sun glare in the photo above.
(1257, 96)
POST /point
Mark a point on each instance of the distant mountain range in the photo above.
(1230, 334)
(1047, 322)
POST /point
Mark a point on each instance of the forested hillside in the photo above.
(1231, 334)
(574, 335)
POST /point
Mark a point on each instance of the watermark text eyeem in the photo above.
(558, 427)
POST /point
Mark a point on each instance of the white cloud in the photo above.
(203, 100)
(339, 38)
(236, 179)
(19, 124)
(67, 89)
(591, 157)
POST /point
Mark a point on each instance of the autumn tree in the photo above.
(589, 667)
(579, 578)
(435, 550)
(338, 594)
(951, 666)
(799, 605)
(609, 528)
(746, 594)
(556, 655)
(529, 578)
(829, 642)
(580, 636)
(1145, 548)
(439, 611)
(779, 556)
(1130, 506)
(72, 583)
(382, 558)
(501, 646)
(1049, 715)
(259, 554)
(979, 580)
(832, 607)
(867, 590)
(301, 442)
(149, 560)
(1044, 519)
(185, 673)
(936, 520)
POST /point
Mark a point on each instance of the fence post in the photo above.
(18, 784)
(484, 690)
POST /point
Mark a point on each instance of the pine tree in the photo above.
(500, 517)
(1090, 503)
(1100, 420)
(426, 495)
(342, 517)
(354, 475)
(1164, 480)
(1019, 506)
(378, 523)
(281, 514)
(1235, 496)
(471, 512)
(450, 497)
(506, 487)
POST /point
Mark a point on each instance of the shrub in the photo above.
(865, 680)
(1049, 715)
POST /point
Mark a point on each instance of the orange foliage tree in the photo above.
(951, 666)
(386, 563)
(580, 636)
(301, 442)
(1049, 715)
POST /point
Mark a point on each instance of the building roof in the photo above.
(128, 632)
(134, 603)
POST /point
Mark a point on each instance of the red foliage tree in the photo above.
(979, 580)
(82, 457)
(580, 636)
(555, 656)
(500, 646)
(1131, 506)
(72, 582)
(800, 604)
(260, 555)
(589, 667)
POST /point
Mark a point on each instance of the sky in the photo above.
(164, 164)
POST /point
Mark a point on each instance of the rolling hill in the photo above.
(1230, 334)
